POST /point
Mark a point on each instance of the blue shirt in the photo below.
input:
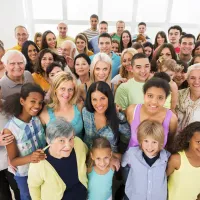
(100, 186)
(145, 182)
(115, 63)
(94, 43)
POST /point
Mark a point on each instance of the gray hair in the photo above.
(9, 54)
(72, 45)
(193, 67)
(58, 128)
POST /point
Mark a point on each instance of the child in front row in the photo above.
(100, 175)
(184, 166)
(147, 177)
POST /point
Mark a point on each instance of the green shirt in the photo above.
(116, 37)
(129, 93)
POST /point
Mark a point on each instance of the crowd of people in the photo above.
(100, 116)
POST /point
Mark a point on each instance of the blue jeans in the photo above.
(23, 187)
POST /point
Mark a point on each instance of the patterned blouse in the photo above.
(91, 132)
(29, 137)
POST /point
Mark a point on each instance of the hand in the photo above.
(122, 80)
(115, 163)
(14, 169)
(70, 62)
(6, 139)
(37, 155)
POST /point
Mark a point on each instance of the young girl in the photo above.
(184, 166)
(100, 175)
(27, 130)
(147, 178)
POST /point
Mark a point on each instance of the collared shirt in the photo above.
(91, 132)
(178, 58)
(17, 47)
(9, 87)
(29, 137)
(61, 40)
(145, 182)
(90, 33)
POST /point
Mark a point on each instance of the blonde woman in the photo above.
(63, 102)
(126, 69)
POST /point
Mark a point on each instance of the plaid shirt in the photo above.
(29, 137)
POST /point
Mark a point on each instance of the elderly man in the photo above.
(62, 30)
(21, 34)
(15, 76)
(69, 51)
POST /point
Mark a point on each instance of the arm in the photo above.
(44, 117)
(129, 113)
(13, 154)
(174, 163)
(174, 99)
(121, 97)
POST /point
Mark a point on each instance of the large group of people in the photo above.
(100, 116)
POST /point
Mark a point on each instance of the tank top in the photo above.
(184, 183)
(77, 122)
(136, 122)
(100, 186)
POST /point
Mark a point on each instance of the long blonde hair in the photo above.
(57, 80)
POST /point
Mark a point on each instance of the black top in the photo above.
(150, 161)
(68, 172)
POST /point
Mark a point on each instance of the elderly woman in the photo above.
(188, 107)
(63, 174)
(15, 76)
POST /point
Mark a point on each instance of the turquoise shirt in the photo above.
(100, 186)
(77, 122)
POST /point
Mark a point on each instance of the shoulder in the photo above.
(89, 170)
(44, 115)
(175, 160)
(115, 56)
(80, 145)
(129, 111)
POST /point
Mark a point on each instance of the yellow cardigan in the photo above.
(45, 183)
(41, 81)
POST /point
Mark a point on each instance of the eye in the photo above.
(161, 98)
(150, 95)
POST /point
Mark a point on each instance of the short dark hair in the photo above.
(142, 23)
(158, 83)
(94, 16)
(83, 55)
(163, 76)
(137, 45)
(184, 64)
(52, 66)
(138, 56)
(187, 35)
(103, 22)
(177, 27)
(110, 113)
(107, 35)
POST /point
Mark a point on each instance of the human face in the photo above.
(103, 28)
(160, 40)
(154, 99)
(80, 45)
(174, 36)
(61, 147)
(166, 54)
(66, 50)
(99, 102)
(141, 29)
(93, 23)
(101, 158)
(54, 71)
(197, 60)
(194, 144)
(15, 66)
(197, 51)
(120, 28)
(170, 73)
(21, 35)
(179, 77)
(51, 40)
(140, 50)
(82, 67)
(65, 91)
(101, 71)
(46, 60)
(32, 53)
(126, 62)
(194, 80)
(141, 69)
(150, 147)
(105, 45)
(148, 51)
(32, 104)
(125, 39)
(62, 30)
(187, 45)
(39, 41)
(115, 47)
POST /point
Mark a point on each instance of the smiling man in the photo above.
(131, 92)
(21, 34)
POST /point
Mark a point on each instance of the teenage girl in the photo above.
(100, 175)
(27, 129)
(184, 166)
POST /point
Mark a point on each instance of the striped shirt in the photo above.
(90, 33)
